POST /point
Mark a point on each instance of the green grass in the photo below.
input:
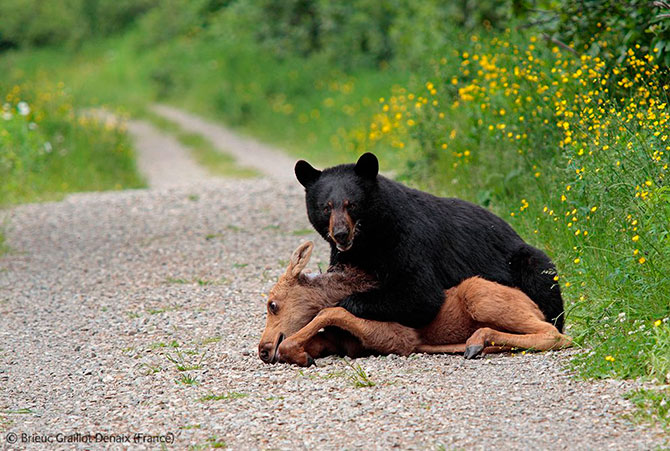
(302, 232)
(187, 379)
(358, 376)
(211, 340)
(22, 411)
(651, 404)
(181, 363)
(212, 442)
(225, 396)
(160, 344)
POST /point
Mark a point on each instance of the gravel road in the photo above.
(139, 312)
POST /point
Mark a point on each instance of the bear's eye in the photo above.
(351, 206)
(273, 307)
(327, 208)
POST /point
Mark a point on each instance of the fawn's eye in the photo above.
(273, 307)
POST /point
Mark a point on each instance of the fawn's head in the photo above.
(298, 296)
(292, 303)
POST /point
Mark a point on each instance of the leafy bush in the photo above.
(37, 23)
(34, 22)
(608, 28)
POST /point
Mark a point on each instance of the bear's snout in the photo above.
(341, 229)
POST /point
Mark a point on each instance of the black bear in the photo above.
(417, 245)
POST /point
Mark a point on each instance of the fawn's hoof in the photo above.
(473, 351)
(304, 360)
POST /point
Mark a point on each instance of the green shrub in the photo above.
(35, 22)
(58, 22)
(608, 28)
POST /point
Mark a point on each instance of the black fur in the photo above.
(417, 245)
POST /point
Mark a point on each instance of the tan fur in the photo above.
(339, 217)
(476, 314)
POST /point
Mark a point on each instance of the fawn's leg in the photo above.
(381, 337)
(458, 349)
(333, 342)
(542, 341)
(441, 349)
(321, 345)
(508, 309)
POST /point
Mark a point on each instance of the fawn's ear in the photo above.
(299, 259)
(306, 173)
(367, 166)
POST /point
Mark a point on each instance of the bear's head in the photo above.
(339, 198)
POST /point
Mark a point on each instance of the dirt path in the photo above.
(247, 151)
(139, 312)
(162, 159)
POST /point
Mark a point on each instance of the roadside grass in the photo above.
(48, 150)
(108, 72)
(202, 150)
(651, 404)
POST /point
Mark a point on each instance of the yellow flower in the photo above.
(609, 358)
(577, 260)
(657, 323)
(642, 260)
(636, 238)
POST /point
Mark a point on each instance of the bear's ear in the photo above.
(367, 166)
(306, 174)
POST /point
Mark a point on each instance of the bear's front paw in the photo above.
(292, 352)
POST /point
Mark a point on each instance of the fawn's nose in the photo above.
(265, 352)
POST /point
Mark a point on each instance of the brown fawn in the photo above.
(478, 316)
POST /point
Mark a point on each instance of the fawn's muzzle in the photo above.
(267, 351)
